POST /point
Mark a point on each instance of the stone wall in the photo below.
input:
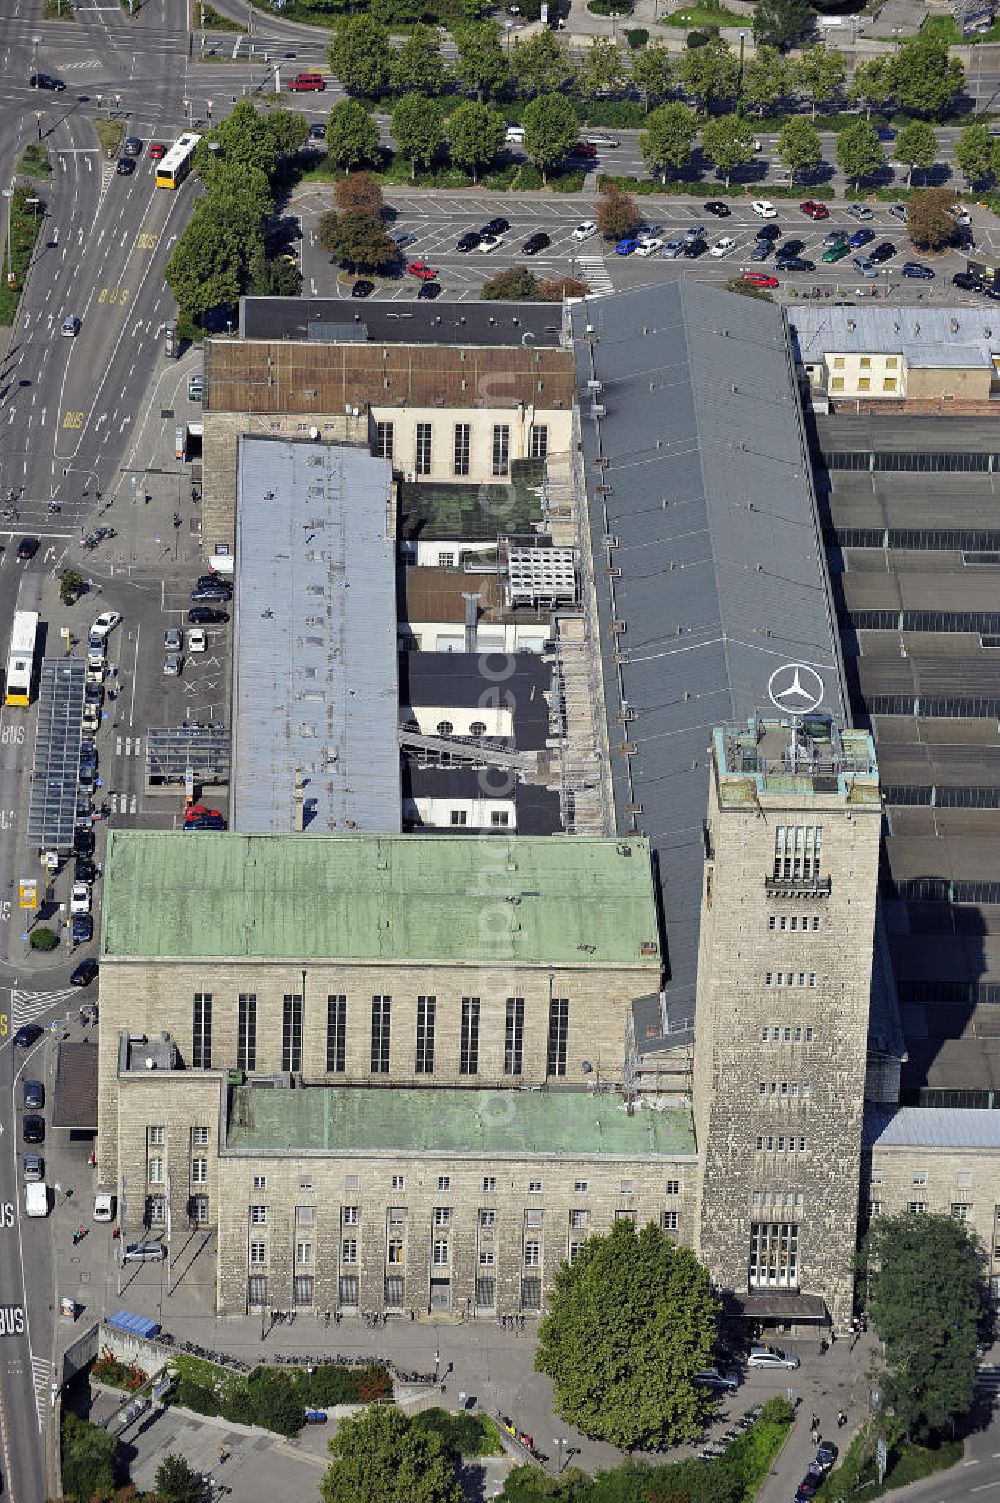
(963, 1182)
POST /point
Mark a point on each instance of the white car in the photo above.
(773, 1357)
(585, 230)
(104, 1206)
(723, 246)
(79, 898)
(70, 325)
(490, 243)
(197, 640)
(648, 245)
(91, 719)
(765, 208)
(105, 623)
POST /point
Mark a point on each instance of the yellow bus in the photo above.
(21, 658)
(175, 166)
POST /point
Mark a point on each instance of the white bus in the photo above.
(21, 658)
(172, 169)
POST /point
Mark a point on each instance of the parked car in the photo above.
(105, 623)
(84, 870)
(34, 1168)
(761, 250)
(826, 1455)
(402, 239)
(795, 263)
(671, 250)
(104, 1206)
(917, 269)
(835, 238)
(694, 232)
(765, 208)
(807, 1488)
(604, 143)
(860, 238)
(362, 288)
(649, 245)
(197, 641)
(692, 249)
(885, 133)
(496, 226)
(539, 241)
(898, 211)
(769, 232)
(172, 664)
(836, 253)
(203, 615)
(421, 270)
(26, 1035)
(760, 279)
(428, 291)
(469, 241)
(317, 131)
(33, 1129)
(34, 1095)
(718, 208)
(884, 251)
(712, 1378)
(723, 246)
(814, 210)
(773, 1357)
(489, 243)
(585, 230)
(83, 928)
(26, 549)
(583, 149)
(966, 281)
(202, 594)
(79, 900)
(85, 972)
(173, 639)
(196, 388)
(860, 211)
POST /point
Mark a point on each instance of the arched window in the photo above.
(445, 728)
(477, 728)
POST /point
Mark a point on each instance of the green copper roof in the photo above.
(452, 1121)
(491, 899)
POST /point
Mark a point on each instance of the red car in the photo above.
(201, 811)
(583, 149)
(157, 150)
(760, 279)
(422, 270)
(815, 210)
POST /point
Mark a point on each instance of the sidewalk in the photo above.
(836, 1380)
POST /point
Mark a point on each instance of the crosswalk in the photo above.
(41, 1382)
(594, 272)
(124, 803)
(26, 1007)
(128, 746)
(988, 1379)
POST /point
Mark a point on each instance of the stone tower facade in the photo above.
(784, 984)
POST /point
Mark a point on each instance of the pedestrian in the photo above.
(841, 1419)
(815, 1421)
(814, 1434)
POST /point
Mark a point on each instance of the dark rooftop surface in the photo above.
(537, 808)
(438, 322)
(75, 1094)
(465, 680)
(473, 513)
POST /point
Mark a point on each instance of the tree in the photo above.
(859, 150)
(916, 146)
(207, 265)
(975, 153)
(87, 1457)
(557, 289)
(351, 135)
(728, 142)
(617, 212)
(177, 1482)
(360, 55)
(475, 135)
(630, 1322)
(820, 74)
(767, 77)
(550, 129)
(381, 1456)
(668, 137)
(710, 73)
(540, 64)
(418, 129)
(601, 69)
(799, 145)
(651, 74)
(288, 130)
(516, 285)
(43, 939)
(245, 139)
(359, 191)
(357, 240)
(926, 1294)
(779, 23)
(418, 66)
(481, 63)
(929, 220)
(926, 78)
(873, 84)
(71, 586)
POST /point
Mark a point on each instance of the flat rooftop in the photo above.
(315, 688)
(428, 594)
(473, 513)
(926, 336)
(459, 900)
(441, 322)
(485, 1123)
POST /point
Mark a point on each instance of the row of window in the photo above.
(381, 1031)
(787, 1034)
(890, 362)
(792, 922)
(394, 1292)
(156, 1210)
(790, 1090)
(797, 850)
(398, 1182)
(864, 383)
(156, 1172)
(156, 1136)
(385, 446)
(351, 1215)
(768, 1143)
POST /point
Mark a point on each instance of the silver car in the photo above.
(172, 665)
(671, 250)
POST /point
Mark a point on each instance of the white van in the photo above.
(514, 135)
(36, 1198)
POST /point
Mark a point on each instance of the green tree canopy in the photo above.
(481, 63)
(859, 150)
(975, 153)
(800, 146)
(916, 145)
(873, 84)
(515, 285)
(177, 1482)
(819, 75)
(244, 139)
(356, 239)
(630, 1322)
(652, 74)
(667, 138)
(710, 74)
(360, 55)
(289, 130)
(779, 23)
(475, 135)
(418, 129)
(929, 220)
(541, 64)
(351, 135)
(728, 142)
(767, 77)
(381, 1456)
(550, 130)
(601, 68)
(926, 78)
(418, 66)
(87, 1457)
(927, 1291)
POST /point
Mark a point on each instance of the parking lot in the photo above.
(437, 221)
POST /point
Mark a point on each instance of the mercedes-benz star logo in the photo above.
(795, 688)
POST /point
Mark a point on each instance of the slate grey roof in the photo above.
(314, 673)
(466, 680)
(712, 518)
(932, 1127)
(935, 337)
(394, 322)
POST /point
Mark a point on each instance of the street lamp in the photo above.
(8, 193)
(739, 86)
(559, 1445)
(187, 110)
(38, 118)
(208, 107)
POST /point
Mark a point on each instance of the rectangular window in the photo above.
(157, 1210)
(532, 1253)
(920, 1176)
(291, 1032)
(155, 1136)
(302, 1290)
(397, 1215)
(260, 1181)
(395, 1291)
(459, 818)
(673, 1187)
(889, 383)
(426, 1011)
(381, 1021)
(199, 1209)
(201, 1032)
(864, 383)
(398, 1182)
(486, 1294)
(534, 1187)
(487, 1218)
(838, 362)
(558, 1029)
(774, 1255)
(442, 1215)
(533, 1219)
(446, 560)
(468, 1059)
(797, 851)
(336, 1034)
(499, 819)
(444, 1182)
(351, 1215)
(384, 440)
(489, 1184)
(487, 1257)
(501, 448)
(258, 1215)
(531, 1294)
(575, 1249)
(257, 1291)
(423, 460)
(836, 383)
(303, 1252)
(463, 434)
(347, 1289)
(199, 1137)
(578, 1220)
(580, 1187)
(440, 1253)
(668, 1221)
(154, 1171)
(199, 1171)
(960, 1210)
(349, 1250)
(394, 1251)
(917, 1207)
(246, 1032)
(305, 1215)
(514, 1037)
(539, 441)
(258, 1253)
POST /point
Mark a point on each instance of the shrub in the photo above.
(70, 586)
(637, 37)
(462, 1434)
(566, 182)
(44, 939)
(108, 1369)
(196, 1396)
(88, 1457)
(528, 177)
(700, 38)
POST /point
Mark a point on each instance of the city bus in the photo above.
(21, 659)
(175, 166)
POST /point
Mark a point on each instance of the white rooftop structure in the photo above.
(315, 687)
(928, 337)
(540, 574)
